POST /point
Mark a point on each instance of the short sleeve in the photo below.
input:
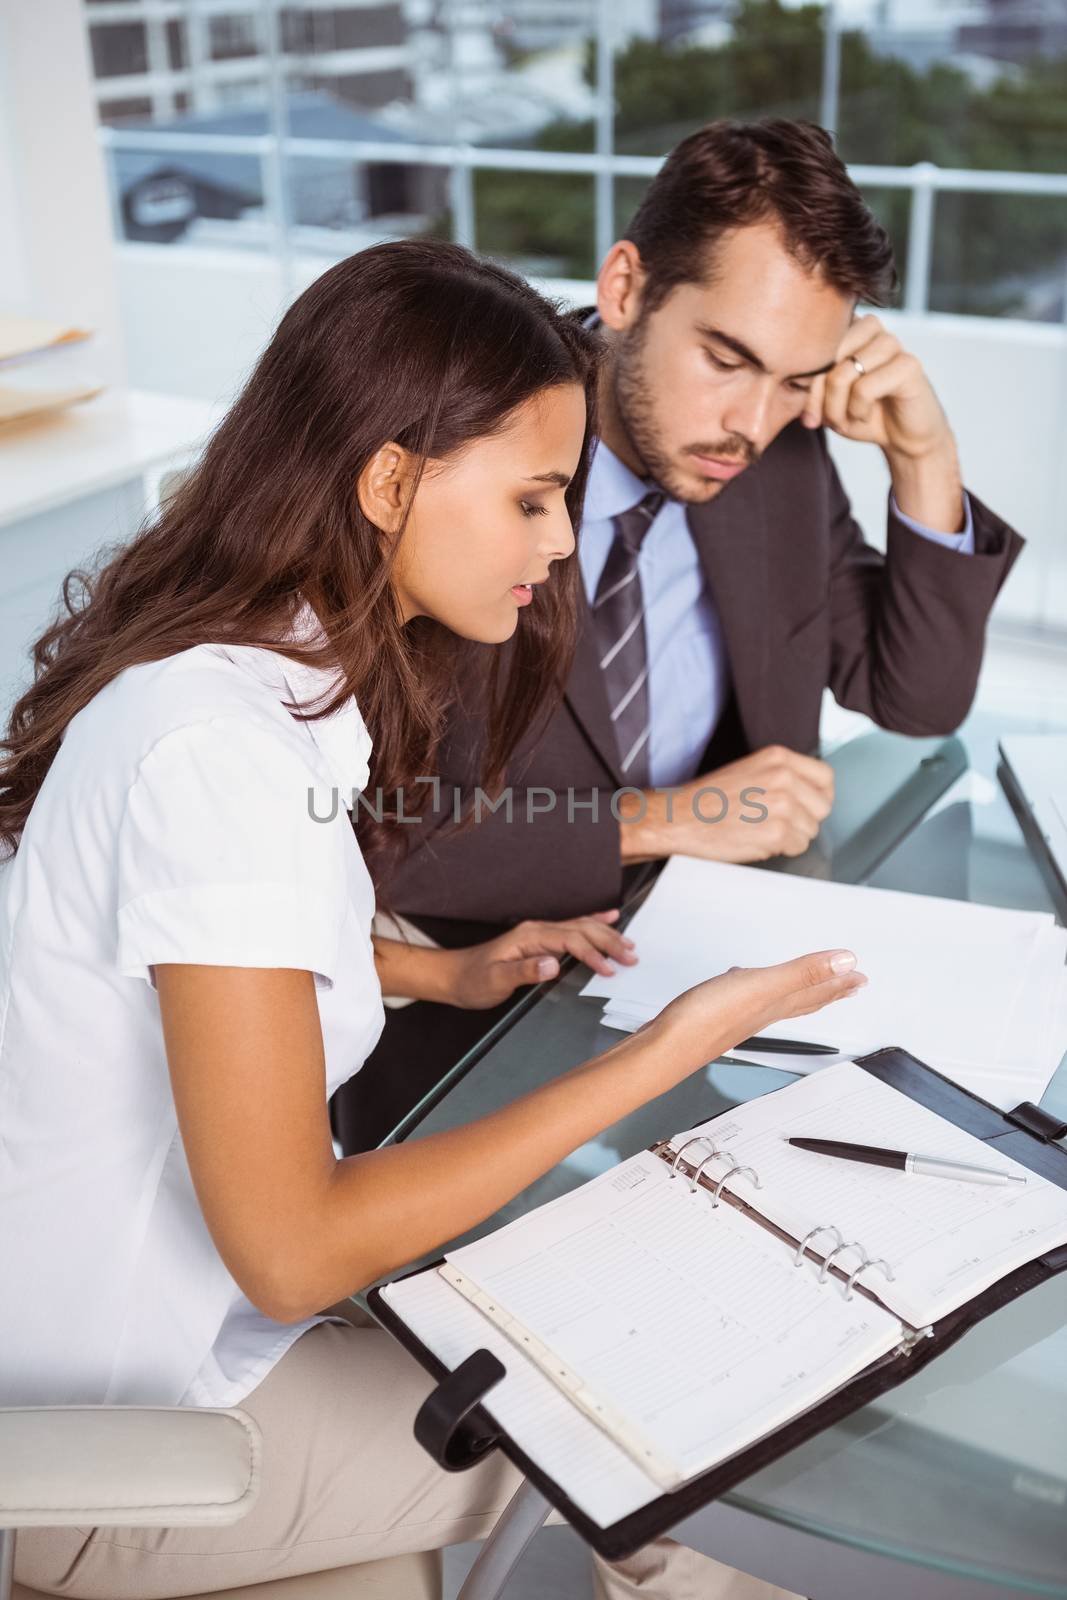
(231, 852)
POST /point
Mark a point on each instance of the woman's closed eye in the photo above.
(530, 508)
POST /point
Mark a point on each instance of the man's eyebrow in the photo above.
(750, 356)
(549, 477)
(731, 343)
(816, 372)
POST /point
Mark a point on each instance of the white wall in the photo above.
(57, 257)
(195, 320)
(1004, 387)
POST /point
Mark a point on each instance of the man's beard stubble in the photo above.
(635, 411)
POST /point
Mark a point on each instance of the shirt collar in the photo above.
(612, 487)
(342, 738)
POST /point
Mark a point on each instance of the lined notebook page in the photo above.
(597, 1475)
(946, 1240)
(689, 1323)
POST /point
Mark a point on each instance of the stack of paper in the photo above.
(29, 385)
(977, 992)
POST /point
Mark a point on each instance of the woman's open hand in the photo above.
(715, 1015)
(486, 974)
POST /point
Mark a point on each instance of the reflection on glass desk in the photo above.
(963, 1469)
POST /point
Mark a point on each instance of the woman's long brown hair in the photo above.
(417, 342)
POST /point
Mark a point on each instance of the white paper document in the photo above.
(978, 992)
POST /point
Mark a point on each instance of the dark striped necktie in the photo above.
(619, 624)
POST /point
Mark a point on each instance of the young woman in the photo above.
(185, 915)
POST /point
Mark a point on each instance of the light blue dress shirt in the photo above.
(689, 674)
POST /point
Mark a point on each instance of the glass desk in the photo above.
(963, 1470)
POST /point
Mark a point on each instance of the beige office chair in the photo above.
(161, 1467)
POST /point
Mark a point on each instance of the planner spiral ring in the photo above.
(827, 1261)
(737, 1167)
(827, 1227)
(841, 1245)
(696, 1173)
(694, 1181)
(699, 1139)
(715, 1188)
(879, 1261)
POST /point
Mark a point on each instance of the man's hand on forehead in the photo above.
(878, 393)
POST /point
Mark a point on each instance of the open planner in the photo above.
(651, 1338)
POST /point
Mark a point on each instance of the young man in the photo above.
(717, 611)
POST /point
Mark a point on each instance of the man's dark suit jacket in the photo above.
(804, 603)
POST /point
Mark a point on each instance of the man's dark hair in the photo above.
(731, 174)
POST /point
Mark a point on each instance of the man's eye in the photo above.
(719, 364)
(799, 388)
(531, 509)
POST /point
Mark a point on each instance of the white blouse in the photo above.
(187, 817)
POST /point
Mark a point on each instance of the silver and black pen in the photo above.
(909, 1161)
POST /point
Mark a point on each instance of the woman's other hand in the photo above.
(486, 974)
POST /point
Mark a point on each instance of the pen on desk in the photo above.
(786, 1047)
(903, 1161)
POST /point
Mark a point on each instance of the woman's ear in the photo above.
(384, 487)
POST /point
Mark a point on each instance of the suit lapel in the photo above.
(730, 534)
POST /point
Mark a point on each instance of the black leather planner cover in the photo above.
(460, 1434)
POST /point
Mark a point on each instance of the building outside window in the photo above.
(970, 86)
(285, 137)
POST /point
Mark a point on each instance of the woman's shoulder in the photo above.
(205, 695)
